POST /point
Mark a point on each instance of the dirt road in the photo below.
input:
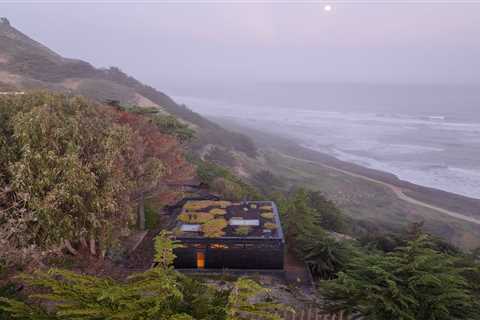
(396, 190)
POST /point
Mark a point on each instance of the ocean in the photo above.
(432, 141)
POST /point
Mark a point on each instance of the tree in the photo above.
(324, 255)
(330, 217)
(157, 294)
(72, 172)
(156, 163)
(242, 304)
(164, 247)
(414, 282)
(17, 240)
(302, 223)
(298, 216)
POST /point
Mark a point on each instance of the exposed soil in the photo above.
(141, 258)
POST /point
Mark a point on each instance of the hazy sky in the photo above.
(260, 41)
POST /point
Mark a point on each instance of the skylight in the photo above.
(244, 222)
(190, 227)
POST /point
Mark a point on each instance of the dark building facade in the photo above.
(262, 249)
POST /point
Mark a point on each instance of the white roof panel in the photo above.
(244, 222)
(190, 227)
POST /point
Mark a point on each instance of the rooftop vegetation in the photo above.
(214, 217)
(214, 228)
(270, 225)
(204, 204)
(195, 217)
(267, 215)
(218, 212)
(243, 230)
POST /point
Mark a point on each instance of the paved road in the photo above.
(396, 190)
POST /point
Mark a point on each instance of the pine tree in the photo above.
(157, 294)
(243, 303)
(414, 282)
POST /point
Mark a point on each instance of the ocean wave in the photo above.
(430, 150)
(439, 176)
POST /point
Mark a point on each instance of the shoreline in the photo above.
(399, 192)
(443, 200)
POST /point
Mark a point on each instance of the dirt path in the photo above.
(396, 190)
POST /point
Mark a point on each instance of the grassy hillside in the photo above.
(27, 64)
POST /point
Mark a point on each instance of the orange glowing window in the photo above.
(200, 260)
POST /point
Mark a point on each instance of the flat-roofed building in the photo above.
(229, 235)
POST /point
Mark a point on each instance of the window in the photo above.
(218, 246)
(200, 259)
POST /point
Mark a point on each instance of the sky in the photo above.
(197, 42)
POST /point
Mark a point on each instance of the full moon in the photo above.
(327, 8)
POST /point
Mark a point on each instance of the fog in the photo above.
(390, 85)
(185, 44)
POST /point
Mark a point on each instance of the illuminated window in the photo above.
(200, 260)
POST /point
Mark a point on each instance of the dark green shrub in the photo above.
(151, 217)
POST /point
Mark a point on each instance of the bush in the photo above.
(7, 291)
(270, 226)
(412, 282)
(267, 215)
(214, 228)
(195, 217)
(158, 293)
(151, 217)
(243, 230)
(228, 189)
(266, 181)
(171, 125)
(330, 217)
(218, 212)
(222, 181)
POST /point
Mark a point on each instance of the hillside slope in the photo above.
(26, 64)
